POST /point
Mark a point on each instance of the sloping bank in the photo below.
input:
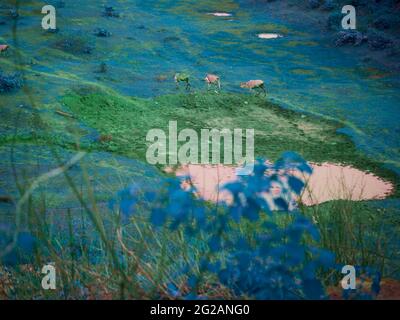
(123, 123)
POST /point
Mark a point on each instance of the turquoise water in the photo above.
(154, 39)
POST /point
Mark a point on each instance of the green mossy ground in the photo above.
(127, 120)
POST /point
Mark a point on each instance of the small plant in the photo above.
(74, 44)
(102, 33)
(16, 251)
(103, 68)
(9, 83)
(110, 12)
(13, 13)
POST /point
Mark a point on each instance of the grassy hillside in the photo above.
(125, 122)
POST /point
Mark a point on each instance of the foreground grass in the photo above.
(150, 259)
(359, 234)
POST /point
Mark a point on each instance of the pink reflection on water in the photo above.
(328, 182)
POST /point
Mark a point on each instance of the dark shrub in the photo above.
(9, 82)
(13, 14)
(110, 12)
(352, 37)
(378, 41)
(329, 5)
(382, 23)
(314, 4)
(334, 21)
(101, 32)
(74, 45)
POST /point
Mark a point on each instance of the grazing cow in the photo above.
(4, 47)
(212, 79)
(182, 77)
(253, 85)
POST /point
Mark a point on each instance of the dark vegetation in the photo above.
(74, 44)
(378, 26)
(9, 82)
